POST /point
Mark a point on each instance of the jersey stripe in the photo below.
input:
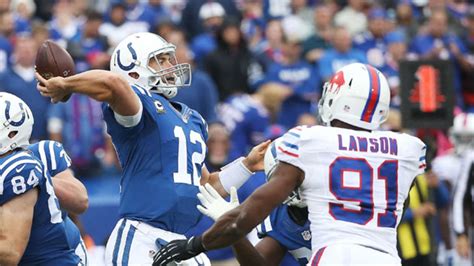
(374, 95)
(317, 257)
(43, 158)
(118, 239)
(268, 225)
(52, 156)
(128, 245)
(16, 156)
(290, 145)
(288, 152)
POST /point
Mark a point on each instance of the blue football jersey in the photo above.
(48, 243)
(294, 237)
(55, 160)
(162, 157)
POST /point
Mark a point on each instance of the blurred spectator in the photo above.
(64, 24)
(467, 69)
(150, 13)
(165, 28)
(89, 48)
(372, 41)
(202, 94)
(413, 233)
(5, 43)
(406, 21)
(19, 79)
(396, 51)
(23, 11)
(276, 9)
(218, 147)
(315, 45)
(118, 28)
(247, 117)
(302, 10)
(39, 32)
(438, 43)
(7, 25)
(78, 125)
(307, 119)
(191, 19)
(352, 17)
(252, 24)
(339, 56)
(300, 76)
(232, 66)
(268, 50)
(212, 16)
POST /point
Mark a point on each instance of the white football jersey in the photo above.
(355, 182)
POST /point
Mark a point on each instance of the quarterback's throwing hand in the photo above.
(178, 250)
(213, 205)
(53, 88)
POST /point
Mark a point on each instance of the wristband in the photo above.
(234, 174)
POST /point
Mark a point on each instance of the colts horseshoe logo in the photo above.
(134, 57)
(7, 115)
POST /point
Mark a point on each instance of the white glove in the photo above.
(213, 205)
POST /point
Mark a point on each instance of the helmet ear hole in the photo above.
(12, 134)
(134, 75)
(330, 103)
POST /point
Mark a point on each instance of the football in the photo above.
(52, 60)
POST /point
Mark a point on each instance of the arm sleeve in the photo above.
(19, 177)
(59, 159)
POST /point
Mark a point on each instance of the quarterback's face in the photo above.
(161, 62)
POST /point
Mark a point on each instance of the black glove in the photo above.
(179, 250)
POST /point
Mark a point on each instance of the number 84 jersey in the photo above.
(355, 182)
(48, 243)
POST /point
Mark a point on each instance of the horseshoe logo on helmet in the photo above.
(7, 115)
(134, 57)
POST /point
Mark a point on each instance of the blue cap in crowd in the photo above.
(377, 13)
(395, 37)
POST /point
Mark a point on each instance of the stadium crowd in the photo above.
(258, 67)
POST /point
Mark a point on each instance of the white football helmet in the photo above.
(132, 56)
(358, 95)
(462, 132)
(16, 123)
(269, 164)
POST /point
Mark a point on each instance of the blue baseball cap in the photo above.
(377, 13)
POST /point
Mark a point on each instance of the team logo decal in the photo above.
(7, 115)
(306, 235)
(159, 107)
(134, 57)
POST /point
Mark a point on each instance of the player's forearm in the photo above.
(105, 86)
(71, 193)
(247, 254)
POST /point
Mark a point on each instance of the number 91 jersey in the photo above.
(162, 158)
(355, 182)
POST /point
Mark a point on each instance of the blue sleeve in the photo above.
(258, 125)
(117, 130)
(441, 195)
(20, 178)
(58, 159)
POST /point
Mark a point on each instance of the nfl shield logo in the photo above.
(306, 235)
